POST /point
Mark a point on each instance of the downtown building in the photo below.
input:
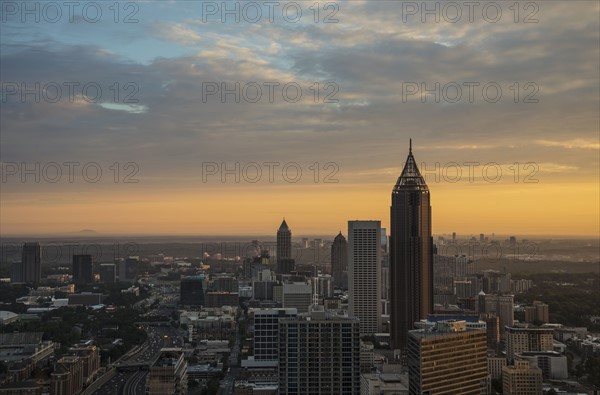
(128, 269)
(447, 359)
(29, 270)
(108, 273)
(191, 290)
(266, 332)
(364, 274)
(67, 378)
(411, 253)
(521, 379)
(319, 353)
(523, 339)
(168, 375)
(83, 269)
(285, 263)
(339, 261)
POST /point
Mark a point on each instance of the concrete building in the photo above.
(296, 296)
(364, 274)
(219, 299)
(492, 323)
(90, 359)
(168, 375)
(495, 365)
(225, 284)
(319, 353)
(552, 363)
(84, 299)
(521, 339)
(266, 332)
(67, 378)
(448, 359)
(521, 379)
(383, 384)
(538, 312)
(323, 286)
(502, 305)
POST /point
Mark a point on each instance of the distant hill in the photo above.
(85, 232)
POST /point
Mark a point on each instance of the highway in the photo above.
(128, 378)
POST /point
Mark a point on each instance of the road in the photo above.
(227, 384)
(133, 382)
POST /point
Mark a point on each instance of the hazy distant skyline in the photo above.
(369, 54)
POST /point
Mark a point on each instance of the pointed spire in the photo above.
(284, 225)
(411, 176)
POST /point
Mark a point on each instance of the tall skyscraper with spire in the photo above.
(411, 252)
(339, 261)
(285, 263)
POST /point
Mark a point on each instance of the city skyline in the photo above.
(221, 197)
(170, 135)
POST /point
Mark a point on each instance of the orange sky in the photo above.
(309, 209)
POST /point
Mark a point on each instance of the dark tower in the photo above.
(285, 263)
(411, 258)
(339, 261)
(30, 270)
(83, 269)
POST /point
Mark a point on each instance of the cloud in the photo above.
(177, 33)
(576, 143)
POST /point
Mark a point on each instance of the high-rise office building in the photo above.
(108, 273)
(83, 269)
(295, 295)
(168, 375)
(323, 286)
(285, 263)
(538, 312)
(191, 291)
(266, 332)
(521, 339)
(319, 353)
(128, 269)
(339, 261)
(364, 274)
(411, 252)
(30, 268)
(447, 359)
(502, 305)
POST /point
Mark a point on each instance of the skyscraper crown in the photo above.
(284, 225)
(411, 177)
